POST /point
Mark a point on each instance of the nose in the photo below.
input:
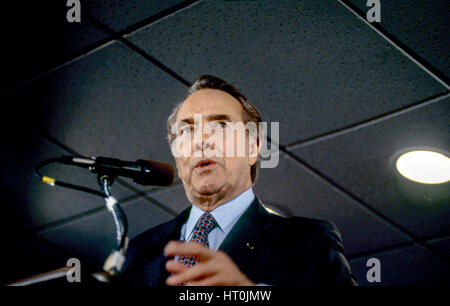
(204, 138)
(203, 141)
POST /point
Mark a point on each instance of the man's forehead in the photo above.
(207, 102)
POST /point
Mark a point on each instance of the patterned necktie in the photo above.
(204, 226)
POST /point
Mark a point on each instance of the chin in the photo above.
(207, 188)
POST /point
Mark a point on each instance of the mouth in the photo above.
(204, 164)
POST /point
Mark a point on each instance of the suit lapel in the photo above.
(248, 236)
(172, 229)
(145, 259)
(169, 232)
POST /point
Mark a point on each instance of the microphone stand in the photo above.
(113, 264)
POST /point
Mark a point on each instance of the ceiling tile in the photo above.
(119, 15)
(38, 38)
(93, 237)
(298, 61)
(443, 246)
(411, 266)
(16, 264)
(362, 162)
(33, 203)
(173, 197)
(421, 26)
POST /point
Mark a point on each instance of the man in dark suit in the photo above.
(228, 237)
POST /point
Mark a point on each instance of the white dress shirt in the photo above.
(226, 216)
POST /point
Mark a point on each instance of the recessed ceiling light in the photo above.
(426, 167)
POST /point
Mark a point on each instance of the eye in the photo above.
(222, 123)
(186, 129)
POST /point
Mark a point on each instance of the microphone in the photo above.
(143, 172)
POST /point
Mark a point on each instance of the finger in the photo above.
(175, 267)
(192, 248)
(214, 280)
(200, 270)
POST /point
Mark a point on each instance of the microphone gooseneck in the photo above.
(143, 172)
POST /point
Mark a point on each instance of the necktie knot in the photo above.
(205, 224)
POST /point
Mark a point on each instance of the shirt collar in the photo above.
(226, 214)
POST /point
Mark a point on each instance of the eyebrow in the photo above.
(212, 117)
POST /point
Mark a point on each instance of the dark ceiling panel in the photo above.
(173, 197)
(298, 192)
(422, 26)
(299, 61)
(411, 266)
(360, 162)
(143, 215)
(34, 203)
(111, 103)
(119, 14)
(93, 237)
(443, 246)
(38, 38)
(16, 262)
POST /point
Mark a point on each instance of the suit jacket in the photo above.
(266, 247)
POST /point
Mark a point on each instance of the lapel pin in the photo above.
(250, 247)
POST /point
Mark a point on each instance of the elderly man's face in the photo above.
(210, 181)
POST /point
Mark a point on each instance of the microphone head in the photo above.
(154, 173)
